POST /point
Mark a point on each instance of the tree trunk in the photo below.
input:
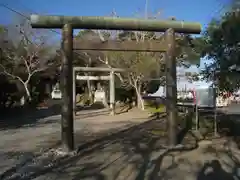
(140, 102)
(29, 97)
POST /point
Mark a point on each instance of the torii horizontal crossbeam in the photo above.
(112, 45)
(113, 23)
(92, 78)
(99, 69)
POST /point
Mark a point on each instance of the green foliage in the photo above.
(234, 5)
(88, 58)
(139, 66)
(151, 107)
(124, 95)
(152, 86)
(26, 55)
(192, 76)
(187, 50)
(10, 93)
(222, 48)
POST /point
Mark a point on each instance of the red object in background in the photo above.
(194, 96)
(226, 95)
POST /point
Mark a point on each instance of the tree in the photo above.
(192, 76)
(24, 54)
(143, 65)
(221, 47)
(234, 5)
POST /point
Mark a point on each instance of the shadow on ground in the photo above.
(95, 106)
(225, 166)
(228, 125)
(136, 153)
(141, 153)
(213, 170)
(29, 116)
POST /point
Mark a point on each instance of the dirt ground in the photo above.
(134, 159)
(136, 154)
(20, 144)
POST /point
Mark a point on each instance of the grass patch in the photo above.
(160, 109)
(150, 106)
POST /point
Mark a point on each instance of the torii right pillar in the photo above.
(171, 88)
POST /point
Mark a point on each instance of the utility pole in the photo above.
(146, 9)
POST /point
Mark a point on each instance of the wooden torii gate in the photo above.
(68, 23)
(110, 78)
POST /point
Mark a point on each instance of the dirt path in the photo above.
(16, 145)
(138, 154)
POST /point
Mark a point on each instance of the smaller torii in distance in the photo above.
(68, 23)
(110, 78)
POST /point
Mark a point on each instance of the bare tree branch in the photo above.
(106, 63)
(24, 51)
(5, 72)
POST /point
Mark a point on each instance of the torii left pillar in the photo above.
(67, 88)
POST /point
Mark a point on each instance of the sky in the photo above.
(188, 10)
(201, 11)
